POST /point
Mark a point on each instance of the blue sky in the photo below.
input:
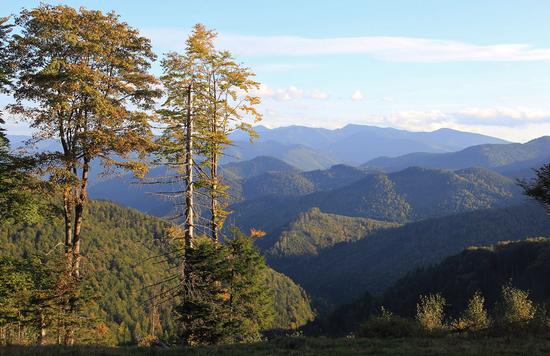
(481, 66)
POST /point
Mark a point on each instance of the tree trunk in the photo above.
(189, 226)
(69, 337)
(190, 183)
(79, 210)
(214, 196)
(42, 340)
(214, 166)
(68, 216)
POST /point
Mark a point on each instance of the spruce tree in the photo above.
(230, 300)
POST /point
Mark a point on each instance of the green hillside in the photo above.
(315, 231)
(256, 166)
(409, 195)
(344, 272)
(292, 306)
(293, 183)
(525, 264)
(298, 155)
(120, 246)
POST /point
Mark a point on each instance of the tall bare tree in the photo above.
(183, 117)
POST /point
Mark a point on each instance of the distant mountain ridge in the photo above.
(352, 144)
(309, 148)
(501, 157)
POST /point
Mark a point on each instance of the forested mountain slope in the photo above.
(342, 273)
(298, 155)
(150, 195)
(255, 167)
(524, 264)
(409, 195)
(484, 269)
(300, 183)
(314, 231)
(501, 157)
(119, 261)
(247, 180)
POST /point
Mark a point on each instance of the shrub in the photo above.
(430, 312)
(515, 307)
(387, 325)
(475, 317)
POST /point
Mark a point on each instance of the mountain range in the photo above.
(409, 195)
(340, 229)
(315, 148)
(509, 158)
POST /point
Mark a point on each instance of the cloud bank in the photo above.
(390, 48)
(511, 123)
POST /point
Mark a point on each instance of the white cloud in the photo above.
(526, 125)
(318, 94)
(357, 95)
(290, 93)
(496, 113)
(391, 48)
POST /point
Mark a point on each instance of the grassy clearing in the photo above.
(319, 346)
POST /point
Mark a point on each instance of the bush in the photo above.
(430, 312)
(515, 307)
(475, 317)
(387, 325)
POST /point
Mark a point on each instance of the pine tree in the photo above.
(182, 115)
(230, 300)
(250, 298)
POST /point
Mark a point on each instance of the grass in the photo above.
(318, 346)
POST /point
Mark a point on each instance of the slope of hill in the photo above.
(524, 264)
(300, 183)
(298, 155)
(409, 195)
(344, 272)
(119, 246)
(507, 157)
(353, 144)
(251, 179)
(292, 304)
(255, 167)
(315, 231)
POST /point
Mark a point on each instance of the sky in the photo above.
(419, 65)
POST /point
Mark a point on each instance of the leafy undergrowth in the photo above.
(320, 346)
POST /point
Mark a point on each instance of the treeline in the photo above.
(83, 78)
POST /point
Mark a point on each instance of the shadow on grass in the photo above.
(317, 346)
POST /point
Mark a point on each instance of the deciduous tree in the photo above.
(82, 78)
